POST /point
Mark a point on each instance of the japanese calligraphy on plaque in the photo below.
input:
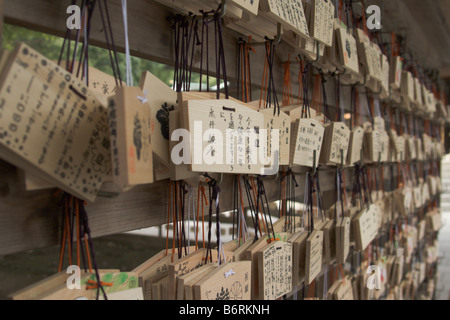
(52, 125)
(337, 138)
(309, 139)
(225, 136)
(275, 267)
(289, 13)
(322, 21)
(282, 123)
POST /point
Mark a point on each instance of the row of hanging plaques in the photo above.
(70, 139)
(313, 29)
(281, 263)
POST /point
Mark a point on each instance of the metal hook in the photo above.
(315, 162)
(318, 52)
(276, 40)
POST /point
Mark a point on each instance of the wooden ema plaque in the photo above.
(366, 226)
(162, 100)
(322, 21)
(314, 254)
(130, 128)
(52, 126)
(336, 142)
(329, 241)
(298, 257)
(275, 270)
(250, 6)
(191, 280)
(395, 73)
(385, 145)
(231, 281)
(343, 240)
(289, 13)
(310, 134)
(348, 50)
(355, 146)
(282, 123)
(224, 137)
(373, 146)
(188, 264)
(344, 290)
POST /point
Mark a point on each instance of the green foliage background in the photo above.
(50, 46)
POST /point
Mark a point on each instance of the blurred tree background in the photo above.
(50, 46)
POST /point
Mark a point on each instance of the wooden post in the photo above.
(1, 21)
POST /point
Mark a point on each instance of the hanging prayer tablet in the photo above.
(280, 124)
(231, 281)
(52, 125)
(336, 142)
(355, 146)
(162, 100)
(366, 226)
(275, 270)
(310, 134)
(395, 73)
(314, 253)
(299, 258)
(373, 146)
(289, 13)
(407, 85)
(250, 6)
(342, 240)
(225, 137)
(322, 21)
(130, 128)
(348, 50)
(345, 290)
(329, 241)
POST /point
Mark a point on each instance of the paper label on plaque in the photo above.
(50, 121)
(314, 254)
(322, 21)
(289, 13)
(275, 277)
(309, 139)
(225, 137)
